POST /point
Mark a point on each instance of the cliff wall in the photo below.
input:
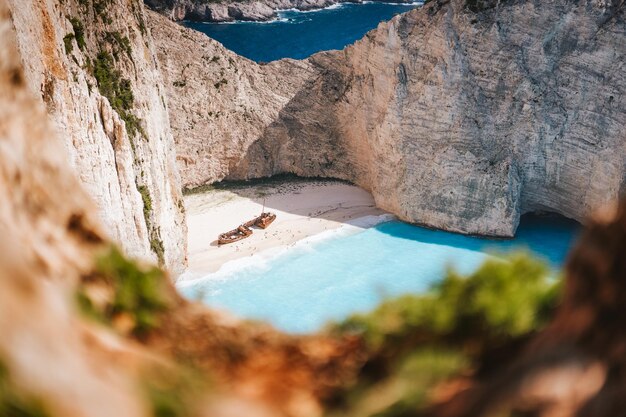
(458, 115)
(93, 65)
(219, 102)
(49, 236)
(464, 119)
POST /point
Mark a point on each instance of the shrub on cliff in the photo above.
(117, 90)
(79, 32)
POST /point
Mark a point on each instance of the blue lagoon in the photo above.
(326, 280)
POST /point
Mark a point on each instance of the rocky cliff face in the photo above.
(55, 361)
(49, 235)
(463, 117)
(460, 115)
(93, 65)
(219, 102)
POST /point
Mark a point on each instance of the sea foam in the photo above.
(263, 259)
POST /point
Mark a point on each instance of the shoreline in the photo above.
(261, 12)
(259, 259)
(305, 209)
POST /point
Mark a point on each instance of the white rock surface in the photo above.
(465, 120)
(457, 119)
(219, 102)
(111, 165)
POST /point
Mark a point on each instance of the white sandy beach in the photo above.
(303, 209)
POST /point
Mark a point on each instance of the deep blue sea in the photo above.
(304, 288)
(300, 34)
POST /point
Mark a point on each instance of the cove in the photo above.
(297, 34)
(330, 279)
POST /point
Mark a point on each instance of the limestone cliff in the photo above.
(49, 233)
(93, 65)
(463, 116)
(460, 115)
(219, 102)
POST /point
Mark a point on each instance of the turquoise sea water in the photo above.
(300, 34)
(303, 289)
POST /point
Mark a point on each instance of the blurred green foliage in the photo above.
(176, 392)
(139, 293)
(407, 387)
(503, 299)
(415, 342)
(14, 403)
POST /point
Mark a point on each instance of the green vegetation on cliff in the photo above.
(67, 41)
(147, 202)
(79, 32)
(119, 43)
(118, 91)
(123, 293)
(13, 402)
(156, 244)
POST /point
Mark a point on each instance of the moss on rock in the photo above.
(118, 91)
(13, 402)
(138, 294)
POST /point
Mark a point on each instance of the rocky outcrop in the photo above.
(228, 11)
(219, 102)
(464, 119)
(93, 65)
